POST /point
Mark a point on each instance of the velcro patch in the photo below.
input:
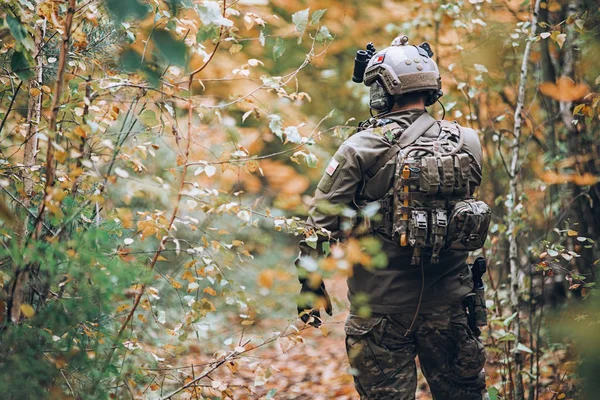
(332, 172)
(333, 164)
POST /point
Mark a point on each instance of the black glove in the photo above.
(306, 311)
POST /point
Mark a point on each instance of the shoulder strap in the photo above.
(408, 137)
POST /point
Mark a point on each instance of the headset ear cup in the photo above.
(379, 99)
(433, 97)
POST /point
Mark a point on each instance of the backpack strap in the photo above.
(408, 137)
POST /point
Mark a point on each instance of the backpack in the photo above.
(431, 205)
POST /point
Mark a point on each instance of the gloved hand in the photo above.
(309, 312)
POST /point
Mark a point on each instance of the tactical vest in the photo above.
(430, 203)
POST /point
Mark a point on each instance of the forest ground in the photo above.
(315, 368)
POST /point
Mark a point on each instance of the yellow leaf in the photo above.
(27, 310)
(210, 291)
(188, 276)
(141, 318)
(237, 243)
(572, 233)
(176, 284)
(206, 305)
(560, 39)
(61, 156)
(80, 132)
(247, 322)
(35, 92)
(122, 308)
(46, 89)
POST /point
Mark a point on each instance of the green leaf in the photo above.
(172, 49)
(316, 17)
(312, 241)
(279, 48)
(276, 125)
(508, 320)
(311, 160)
(523, 348)
(19, 32)
(148, 118)
(493, 393)
(326, 248)
(123, 9)
(210, 14)
(130, 60)
(323, 34)
(300, 19)
(292, 134)
(270, 394)
(379, 260)
(207, 32)
(21, 65)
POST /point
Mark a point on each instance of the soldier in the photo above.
(422, 173)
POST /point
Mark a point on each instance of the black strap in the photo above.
(408, 137)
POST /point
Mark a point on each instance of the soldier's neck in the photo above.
(415, 106)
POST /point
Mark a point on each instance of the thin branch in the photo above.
(31, 213)
(62, 62)
(10, 106)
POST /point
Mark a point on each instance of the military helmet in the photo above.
(400, 69)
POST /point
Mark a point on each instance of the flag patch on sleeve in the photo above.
(333, 164)
(332, 172)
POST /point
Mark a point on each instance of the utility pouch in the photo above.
(439, 227)
(468, 225)
(480, 309)
(417, 233)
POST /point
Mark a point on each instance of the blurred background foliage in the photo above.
(158, 159)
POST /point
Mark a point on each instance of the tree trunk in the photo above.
(513, 212)
(21, 278)
(34, 113)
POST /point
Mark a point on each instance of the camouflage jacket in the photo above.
(345, 183)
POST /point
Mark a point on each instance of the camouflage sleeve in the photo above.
(473, 146)
(335, 192)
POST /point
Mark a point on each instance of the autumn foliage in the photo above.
(158, 157)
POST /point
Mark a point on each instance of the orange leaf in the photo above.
(564, 89)
(266, 278)
(585, 179)
(210, 291)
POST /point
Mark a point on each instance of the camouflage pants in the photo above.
(383, 359)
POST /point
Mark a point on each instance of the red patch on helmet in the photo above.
(380, 59)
